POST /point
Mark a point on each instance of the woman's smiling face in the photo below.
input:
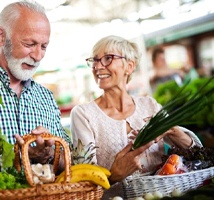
(113, 60)
(112, 75)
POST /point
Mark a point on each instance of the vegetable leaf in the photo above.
(6, 152)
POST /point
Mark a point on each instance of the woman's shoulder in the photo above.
(84, 107)
(144, 99)
(147, 102)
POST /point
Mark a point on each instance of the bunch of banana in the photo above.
(88, 172)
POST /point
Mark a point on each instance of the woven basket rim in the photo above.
(51, 191)
(138, 184)
(172, 175)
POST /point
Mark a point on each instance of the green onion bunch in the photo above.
(176, 112)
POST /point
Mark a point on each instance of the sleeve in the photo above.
(81, 130)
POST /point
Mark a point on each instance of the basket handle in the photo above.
(28, 139)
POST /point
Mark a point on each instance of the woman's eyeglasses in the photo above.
(105, 60)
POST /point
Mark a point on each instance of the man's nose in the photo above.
(37, 54)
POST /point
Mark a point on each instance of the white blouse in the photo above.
(90, 124)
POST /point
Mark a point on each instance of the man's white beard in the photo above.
(15, 65)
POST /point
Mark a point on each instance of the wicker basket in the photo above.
(137, 184)
(53, 191)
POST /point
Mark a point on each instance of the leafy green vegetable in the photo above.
(165, 91)
(6, 152)
(10, 181)
(19, 176)
(176, 112)
(9, 176)
(204, 119)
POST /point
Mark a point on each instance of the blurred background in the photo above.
(183, 28)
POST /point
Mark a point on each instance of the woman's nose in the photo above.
(98, 65)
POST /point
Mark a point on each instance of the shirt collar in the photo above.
(6, 79)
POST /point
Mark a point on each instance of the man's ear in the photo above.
(2, 36)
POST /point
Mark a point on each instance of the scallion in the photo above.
(176, 112)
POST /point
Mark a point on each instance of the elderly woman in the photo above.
(112, 121)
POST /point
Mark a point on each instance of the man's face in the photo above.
(160, 60)
(15, 65)
(27, 44)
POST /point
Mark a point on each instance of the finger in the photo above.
(140, 150)
(40, 143)
(132, 137)
(49, 143)
(125, 150)
(171, 130)
(19, 139)
(134, 133)
(157, 139)
(39, 130)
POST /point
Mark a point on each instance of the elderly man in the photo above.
(28, 106)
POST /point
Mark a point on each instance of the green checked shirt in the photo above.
(35, 107)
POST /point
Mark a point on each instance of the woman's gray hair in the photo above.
(127, 48)
(11, 13)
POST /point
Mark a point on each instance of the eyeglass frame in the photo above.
(99, 60)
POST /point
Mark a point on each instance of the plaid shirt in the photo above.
(35, 107)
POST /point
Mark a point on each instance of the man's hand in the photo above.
(42, 151)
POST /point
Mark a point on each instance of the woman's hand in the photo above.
(42, 151)
(127, 162)
(177, 137)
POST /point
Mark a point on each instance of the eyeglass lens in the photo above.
(106, 60)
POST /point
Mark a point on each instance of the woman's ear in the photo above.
(131, 67)
(2, 36)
